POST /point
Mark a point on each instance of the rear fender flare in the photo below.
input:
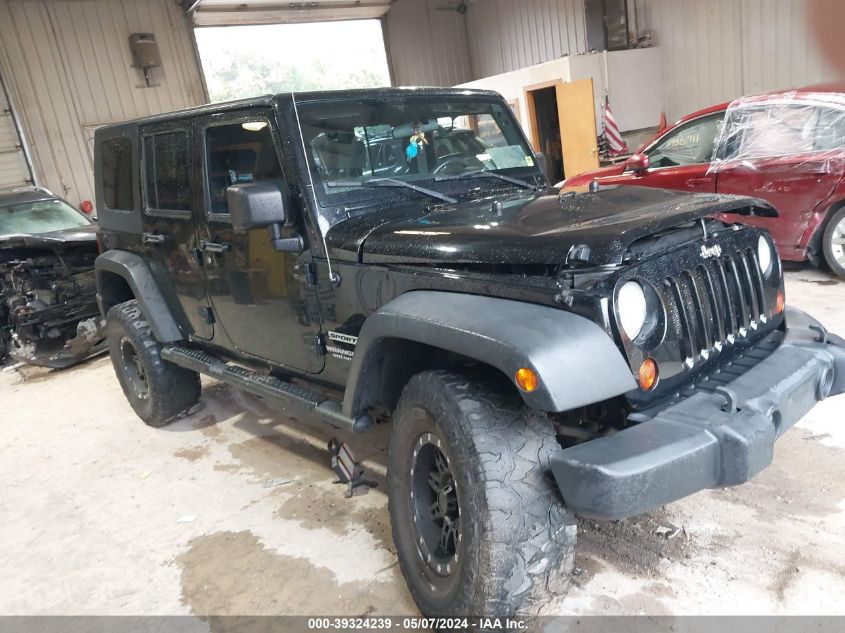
(137, 274)
(577, 361)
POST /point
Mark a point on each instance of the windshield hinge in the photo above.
(305, 273)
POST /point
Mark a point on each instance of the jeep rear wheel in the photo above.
(158, 391)
(478, 527)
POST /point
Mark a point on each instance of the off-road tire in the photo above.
(170, 390)
(517, 542)
(827, 243)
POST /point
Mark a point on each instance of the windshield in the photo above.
(41, 216)
(417, 139)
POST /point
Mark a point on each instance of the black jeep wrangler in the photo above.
(538, 353)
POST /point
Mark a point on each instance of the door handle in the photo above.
(152, 238)
(214, 247)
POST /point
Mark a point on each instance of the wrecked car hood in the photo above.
(76, 236)
(527, 227)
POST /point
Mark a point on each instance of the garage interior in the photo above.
(218, 513)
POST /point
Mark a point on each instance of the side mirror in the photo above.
(258, 205)
(637, 164)
(255, 205)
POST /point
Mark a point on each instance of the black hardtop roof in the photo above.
(267, 100)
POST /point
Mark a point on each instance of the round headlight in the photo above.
(631, 307)
(765, 255)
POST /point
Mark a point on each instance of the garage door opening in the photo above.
(246, 61)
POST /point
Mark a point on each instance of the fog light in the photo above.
(781, 302)
(527, 379)
(648, 374)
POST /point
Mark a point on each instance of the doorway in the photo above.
(562, 120)
(246, 61)
(547, 133)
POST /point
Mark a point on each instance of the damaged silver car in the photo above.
(48, 303)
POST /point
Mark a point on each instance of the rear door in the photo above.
(262, 304)
(169, 189)
(789, 155)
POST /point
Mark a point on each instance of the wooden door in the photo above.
(577, 114)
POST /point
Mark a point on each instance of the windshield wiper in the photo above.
(487, 174)
(391, 182)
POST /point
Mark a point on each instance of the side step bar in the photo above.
(270, 387)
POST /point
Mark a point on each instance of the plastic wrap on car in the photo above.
(805, 129)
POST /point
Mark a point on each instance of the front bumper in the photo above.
(709, 439)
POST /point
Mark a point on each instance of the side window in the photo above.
(690, 144)
(830, 131)
(167, 172)
(238, 153)
(117, 174)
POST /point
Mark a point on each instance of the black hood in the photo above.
(529, 228)
(55, 240)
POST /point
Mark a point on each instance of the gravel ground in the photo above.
(232, 510)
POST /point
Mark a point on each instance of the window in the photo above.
(830, 133)
(690, 144)
(116, 176)
(167, 172)
(238, 153)
(761, 130)
(41, 216)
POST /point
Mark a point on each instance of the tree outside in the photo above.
(246, 61)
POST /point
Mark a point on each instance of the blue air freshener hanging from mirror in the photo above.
(415, 143)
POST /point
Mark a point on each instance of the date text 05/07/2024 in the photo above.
(416, 624)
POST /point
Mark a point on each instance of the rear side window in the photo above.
(238, 153)
(167, 172)
(117, 173)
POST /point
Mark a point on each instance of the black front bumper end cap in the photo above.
(708, 440)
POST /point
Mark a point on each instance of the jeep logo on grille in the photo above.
(711, 251)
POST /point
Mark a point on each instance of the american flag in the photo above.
(613, 143)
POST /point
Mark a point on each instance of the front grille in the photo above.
(716, 301)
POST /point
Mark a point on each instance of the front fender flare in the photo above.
(577, 362)
(137, 274)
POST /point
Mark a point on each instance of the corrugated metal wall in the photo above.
(718, 50)
(507, 35)
(433, 44)
(14, 170)
(427, 43)
(67, 66)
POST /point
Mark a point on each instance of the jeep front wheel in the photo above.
(478, 527)
(158, 391)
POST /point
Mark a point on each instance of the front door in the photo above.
(681, 158)
(263, 309)
(170, 186)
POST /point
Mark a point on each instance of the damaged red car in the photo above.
(787, 148)
(48, 297)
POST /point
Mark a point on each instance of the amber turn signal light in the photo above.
(781, 302)
(527, 379)
(647, 374)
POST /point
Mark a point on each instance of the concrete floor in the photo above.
(232, 511)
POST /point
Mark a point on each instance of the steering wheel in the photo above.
(448, 160)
